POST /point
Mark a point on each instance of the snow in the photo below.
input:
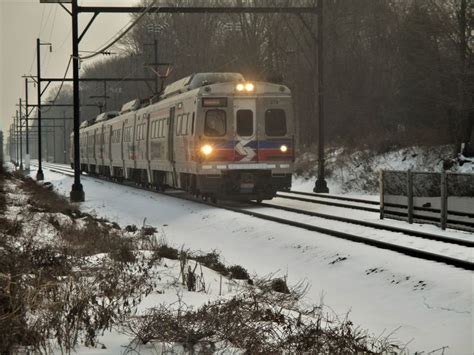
(373, 217)
(427, 305)
(357, 172)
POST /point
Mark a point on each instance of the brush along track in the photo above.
(410, 251)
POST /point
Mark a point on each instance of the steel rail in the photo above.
(369, 202)
(415, 233)
(420, 254)
(375, 210)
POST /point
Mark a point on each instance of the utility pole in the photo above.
(21, 138)
(39, 173)
(155, 63)
(64, 139)
(321, 185)
(54, 144)
(102, 106)
(15, 127)
(77, 192)
(27, 157)
(155, 44)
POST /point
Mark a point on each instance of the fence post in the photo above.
(382, 192)
(410, 196)
(444, 201)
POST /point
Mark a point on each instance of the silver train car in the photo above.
(212, 134)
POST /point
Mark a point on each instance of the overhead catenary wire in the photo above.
(61, 85)
(48, 59)
(121, 35)
(39, 34)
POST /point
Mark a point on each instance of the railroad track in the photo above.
(365, 230)
(368, 205)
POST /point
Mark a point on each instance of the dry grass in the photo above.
(56, 291)
(256, 321)
(44, 199)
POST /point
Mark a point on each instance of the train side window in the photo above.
(245, 123)
(184, 127)
(215, 124)
(178, 122)
(275, 122)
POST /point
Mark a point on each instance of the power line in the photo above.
(46, 22)
(120, 36)
(61, 86)
(48, 60)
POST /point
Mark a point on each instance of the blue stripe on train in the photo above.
(264, 144)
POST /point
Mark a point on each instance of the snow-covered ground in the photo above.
(426, 305)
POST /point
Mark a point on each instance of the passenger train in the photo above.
(215, 135)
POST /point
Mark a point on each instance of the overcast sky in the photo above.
(21, 22)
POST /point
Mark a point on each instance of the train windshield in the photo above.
(275, 122)
(245, 123)
(215, 125)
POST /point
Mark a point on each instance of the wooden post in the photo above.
(444, 201)
(410, 196)
(382, 192)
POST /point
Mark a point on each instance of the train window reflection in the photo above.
(215, 125)
(245, 123)
(275, 122)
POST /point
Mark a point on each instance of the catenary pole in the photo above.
(321, 185)
(27, 156)
(16, 139)
(21, 135)
(39, 173)
(77, 192)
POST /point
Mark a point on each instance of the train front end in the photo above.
(247, 144)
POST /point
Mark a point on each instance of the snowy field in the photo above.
(423, 304)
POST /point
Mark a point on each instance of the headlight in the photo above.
(249, 87)
(283, 148)
(240, 87)
(206, 149)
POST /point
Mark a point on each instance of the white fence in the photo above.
(446, 199)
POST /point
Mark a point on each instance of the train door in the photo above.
(109, 143)
(171, 154)
(171, 148)
(122, 147)
(147, 137)
(245, 123)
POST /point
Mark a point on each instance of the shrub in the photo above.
(238, 272)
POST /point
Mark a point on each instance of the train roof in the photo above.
(198, 80)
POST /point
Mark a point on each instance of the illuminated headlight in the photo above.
(206, 149)
(284, 148)
(249, 87)
(240, 87)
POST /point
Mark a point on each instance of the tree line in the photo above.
(396, 72)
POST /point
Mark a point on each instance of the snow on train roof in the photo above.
(199, 79)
